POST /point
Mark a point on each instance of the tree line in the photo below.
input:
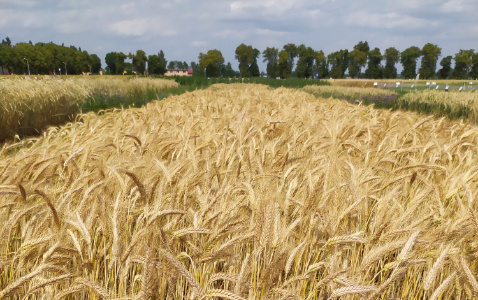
(365, 62)
(291, 61)
(361, 62)
(45, 58)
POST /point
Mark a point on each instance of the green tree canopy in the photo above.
(408, 58)
(254, 66)
(178, 65)
(6, 58)
(195, 67)
(172, 65)
(430, 54)
(271, 56)
(212, 62)
(157, 63)
(284, 65)
(95, 63)
(392, 57)
(374, 67)
(7, 42)
(229, 71)
(321, 64)
(362, 46)
(338, 62)
(139, 61)
(445, 70)
(110, 60)
(357, 60)
(115, 61)
(245, 57)
(305, 64)
(291, 49)
(474, 66)
(463, 64)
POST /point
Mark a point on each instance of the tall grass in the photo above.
(242, 192)
(453, 104)
(378, 97)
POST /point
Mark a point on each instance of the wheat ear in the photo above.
(408, 246)
(378, 253)
(139, 184)
(437, 293)
(240, 278)
(22, 280)
(148, 282)
(222, 276)
(468, 276)
(46, 282)
(50, 205)
(351, 290)
(23, 192)
(430, 278)
(73, 289)
(328, 278)
(396, 275)
(223, 294)
(291, 258)
(67, 161)
(352, 238)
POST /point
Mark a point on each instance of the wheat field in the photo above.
(242, 192)
(29, 106)
(453, 104)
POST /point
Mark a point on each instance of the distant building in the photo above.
(179, 72)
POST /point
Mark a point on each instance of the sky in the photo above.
(184, 28)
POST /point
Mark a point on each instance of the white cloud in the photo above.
(146, 27)
(151, 25)
(269, 7)
(198, 43)
(387, 20)
(128, 8)
(452, 6)
(270, 33)
(133, 27)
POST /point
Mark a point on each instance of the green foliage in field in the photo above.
(378, 97)
(454, 105)
(194, 82)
